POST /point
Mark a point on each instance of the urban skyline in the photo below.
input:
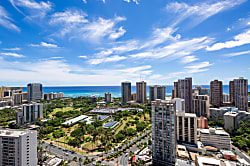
(79, 39)
(124, 82)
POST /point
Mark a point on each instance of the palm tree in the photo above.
(80, 161)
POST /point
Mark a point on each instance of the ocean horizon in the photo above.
(76, 91)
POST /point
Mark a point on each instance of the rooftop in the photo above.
(213, 130)
(14, 133)
(110, 124)
(206, 161)
(75, 120)
(227, 152)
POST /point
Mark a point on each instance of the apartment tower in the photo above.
(108, 97)
(183, 89)
(157, 92)
(163, 132)
(18, 147)
(126, 92)
(216, 93)
(35, 91)
(200, 105)
(239, 93)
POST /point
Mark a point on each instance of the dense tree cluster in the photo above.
(241, 137)
(7, 115)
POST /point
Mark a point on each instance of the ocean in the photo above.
(75, 91)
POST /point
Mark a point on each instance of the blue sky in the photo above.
(104, 42)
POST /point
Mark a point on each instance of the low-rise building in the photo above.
(215, 113)
(229, 155)
(232, 119)
(111, 124)
(216, 138)
(202, 123)
(74, 121)
(211, 161)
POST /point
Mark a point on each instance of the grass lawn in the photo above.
(64, 109)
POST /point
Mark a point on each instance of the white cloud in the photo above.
(35, 9)
(119, 48)
(13, 54)
(56, 57)
(6, 21)
(84, 1)
(199, 65)
(192, 69)
(161, 35)
(237, 53)
(239, 40)
(176, 49)
(114, 58)
(57, 72)
(83, 56)
(75, 24)
(12, 49)
(199, 12)
(69, 17)
(135, 1)
(44, 44)
(120, 32)
(188, 59)
(101, 28)
(229, 29)
(248, 23)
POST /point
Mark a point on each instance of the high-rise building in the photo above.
(186, 127)
(239, 93)
(126, 92)
(17, 98)
(200, 104)
(30, 112)
(93, 99)
(216, 93)
(157, 92)
(226, 98)
(18, 147)
(108, 97)
(163, 132)
(179, 104)
(183, 89)
(35, 91)
(175, 90)
(24, 96)
(231, 92)
(133, 96)
(141, 92)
